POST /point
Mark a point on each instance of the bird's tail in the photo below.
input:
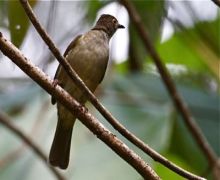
(60, 150)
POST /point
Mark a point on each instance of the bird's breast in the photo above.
(90, 57)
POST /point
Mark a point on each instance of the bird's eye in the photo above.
(114, 21)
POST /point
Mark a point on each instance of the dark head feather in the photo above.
(108, 23)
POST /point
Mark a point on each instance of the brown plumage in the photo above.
(88, 55)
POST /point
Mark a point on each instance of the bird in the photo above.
(88, 55)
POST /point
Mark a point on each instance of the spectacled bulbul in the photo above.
(88, 55)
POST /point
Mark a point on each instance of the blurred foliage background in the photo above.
(185, 34)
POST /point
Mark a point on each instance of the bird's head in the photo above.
(108, 23)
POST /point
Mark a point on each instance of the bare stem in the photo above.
(176, 97)
(12, 156)
(79, 111)
(7, 123)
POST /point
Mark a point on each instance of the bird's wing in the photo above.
(70, 47)
(104, 70)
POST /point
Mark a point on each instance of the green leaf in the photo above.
(3, 13)
(166, 173)
(18, 21)
(152, 13)
(194, 48)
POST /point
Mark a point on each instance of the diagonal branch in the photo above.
(113, 121)
(176, 97)
(79, 111)
(4, 119)
(19, 151)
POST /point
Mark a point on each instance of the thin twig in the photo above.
(12, 156)
(78, 110)
(7, 123)
(15, 154)
(113, 121)
(177, 99)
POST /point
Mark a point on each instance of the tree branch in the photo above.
(113, 121)
(12, 156)
(79, 111)
(7, 123)
(177, 99)
(16, 153)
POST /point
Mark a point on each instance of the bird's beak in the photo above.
(120, 26)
